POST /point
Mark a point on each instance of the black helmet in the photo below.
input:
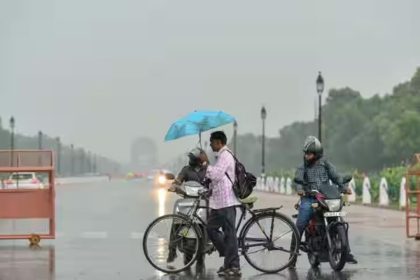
(194, 156)
(313, 145)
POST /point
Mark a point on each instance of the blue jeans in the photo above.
(305, 214)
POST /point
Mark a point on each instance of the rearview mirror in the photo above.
(347, 179)
(170, 176)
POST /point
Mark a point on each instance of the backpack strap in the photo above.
(235, 159)
(227, 175)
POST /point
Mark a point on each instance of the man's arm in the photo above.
(181, 176)
(333, 174)
(218, 171)
(299, 177)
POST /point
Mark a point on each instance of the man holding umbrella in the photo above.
(223, 200)
(223, 204)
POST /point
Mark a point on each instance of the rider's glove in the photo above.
(347, 191)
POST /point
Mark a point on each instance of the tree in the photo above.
(359, 133)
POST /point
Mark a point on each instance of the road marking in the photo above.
(95, 235)
(137, 235)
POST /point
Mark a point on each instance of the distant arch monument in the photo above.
(143, 154)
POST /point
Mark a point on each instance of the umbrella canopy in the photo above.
(197, 122)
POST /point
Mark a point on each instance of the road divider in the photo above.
(81, 180)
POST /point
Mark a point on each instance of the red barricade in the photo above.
(33, 200)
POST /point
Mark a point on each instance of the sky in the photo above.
(101, 73)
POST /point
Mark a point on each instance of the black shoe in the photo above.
(350, 259)
(234, 272)
(230, 272)
(221, 269)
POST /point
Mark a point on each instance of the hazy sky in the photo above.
(100, 73)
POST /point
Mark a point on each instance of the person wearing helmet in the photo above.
(316, 171)
(194, 171)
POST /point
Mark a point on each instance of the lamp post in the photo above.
(40, 135)
(263, 118)
(12, 140)
(58, 155)
(235, 137)
(320, 89)
(89, 161)
(95, 163)
(71, 159)
(40, 147)
(82, 162)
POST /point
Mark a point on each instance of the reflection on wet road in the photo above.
(162, 200)
(100, 229)
(20, 262)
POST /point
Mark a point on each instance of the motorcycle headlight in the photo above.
(162, 180)
(334, 205)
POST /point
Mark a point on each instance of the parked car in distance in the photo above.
(23, 180)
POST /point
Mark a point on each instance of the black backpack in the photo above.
(244, 183)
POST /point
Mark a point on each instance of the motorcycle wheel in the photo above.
(200, 258)
(338, 251)
(188, 251)
(312, 258)
(189, 254)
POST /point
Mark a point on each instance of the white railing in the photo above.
(284, 186)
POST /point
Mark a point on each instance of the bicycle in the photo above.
(188, 234)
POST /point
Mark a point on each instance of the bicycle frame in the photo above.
(192, 215)
(192, 227)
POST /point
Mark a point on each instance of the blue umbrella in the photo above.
(197, 122)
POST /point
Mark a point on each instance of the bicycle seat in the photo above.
(249, 200)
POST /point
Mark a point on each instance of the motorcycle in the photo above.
(189, 192)
(326, 235)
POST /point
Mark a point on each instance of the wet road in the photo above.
(100, 228)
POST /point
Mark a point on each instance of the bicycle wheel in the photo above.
(269, 242)
(167, 239)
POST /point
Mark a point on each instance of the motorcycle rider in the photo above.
(194, 171)
(315, 172)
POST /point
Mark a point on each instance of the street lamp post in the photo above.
(95, 164)
(71, 159)
(58, 155)
(82, 162)
(89, 162)
(263, 118)
(320, 89)
(12, 140)
(40, 135)
(39, 147)
(235, 137)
